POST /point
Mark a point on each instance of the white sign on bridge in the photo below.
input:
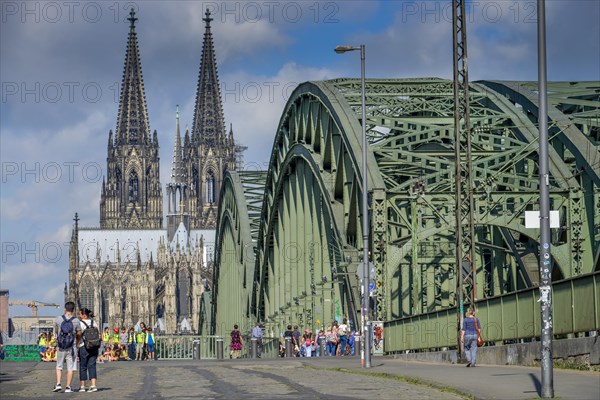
(532, 219)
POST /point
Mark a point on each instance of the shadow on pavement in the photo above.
(537, 383)
(6, 377)
(10, 371)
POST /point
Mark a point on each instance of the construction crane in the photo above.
(33, 304)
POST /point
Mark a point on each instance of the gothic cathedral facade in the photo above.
(131, 269)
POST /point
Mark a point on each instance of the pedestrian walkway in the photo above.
(334, 378)
(289, 379)
(486, 381)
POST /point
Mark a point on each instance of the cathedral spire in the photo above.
(132, 123)
(209, 123)
(178, 170)
(132, 195)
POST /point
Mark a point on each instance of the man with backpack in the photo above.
(66, 329)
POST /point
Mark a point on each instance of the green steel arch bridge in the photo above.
(288, 242)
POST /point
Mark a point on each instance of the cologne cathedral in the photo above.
(131, 269)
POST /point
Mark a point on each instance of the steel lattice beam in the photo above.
(312, 196)
(237, 230)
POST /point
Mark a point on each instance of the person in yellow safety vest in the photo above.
(131, 344)
(42, 343)
(150, 344)
(140, 339)
(52, 341)
(115, 338)
(106, 337)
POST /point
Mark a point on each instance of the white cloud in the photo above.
(254, 104)
(502, 41)
(34, 281)
(13, 208)
(62, 234)
(236, 37)
(55, 294)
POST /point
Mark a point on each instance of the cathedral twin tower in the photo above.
(131, 269)
(131, 195)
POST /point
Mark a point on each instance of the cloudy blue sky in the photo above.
(61, 65)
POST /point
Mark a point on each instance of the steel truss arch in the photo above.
(319, 136)
(237, 227)
(311, 203)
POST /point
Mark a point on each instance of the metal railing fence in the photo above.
(181, 347)
(514, 316)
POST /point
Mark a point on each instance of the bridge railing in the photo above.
(181, 347)
(514, 316)
(270, 347)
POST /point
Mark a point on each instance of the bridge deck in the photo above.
(300, 379)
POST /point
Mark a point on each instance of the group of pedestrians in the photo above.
(78, 339)
(47, 346)
(337, 340)
(79, 342)
(127, 345)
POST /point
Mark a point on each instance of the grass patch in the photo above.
(400, 378)
(575, 366)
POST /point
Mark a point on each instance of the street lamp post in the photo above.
(545, 237)
(366, 353)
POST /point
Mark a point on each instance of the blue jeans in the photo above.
(331, 348)
(87, 364)
(343, 341)
(470, 342)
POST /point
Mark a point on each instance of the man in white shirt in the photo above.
(258, 334)
(343, 334)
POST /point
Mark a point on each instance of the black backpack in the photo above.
(66, 335)
(91, 336)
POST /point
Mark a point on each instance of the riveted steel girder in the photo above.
(308, 234)
(237, 229)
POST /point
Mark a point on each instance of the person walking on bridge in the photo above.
(343, 331)
(468, 336)
(258, 334)
(237, 342)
